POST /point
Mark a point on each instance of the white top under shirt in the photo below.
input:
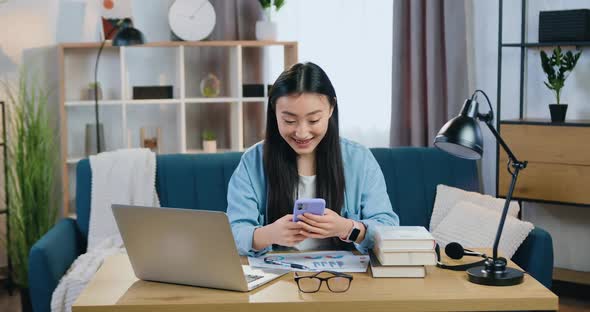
(306, 189)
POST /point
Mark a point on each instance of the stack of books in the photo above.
(402, 251)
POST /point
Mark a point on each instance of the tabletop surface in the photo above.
(115, 288)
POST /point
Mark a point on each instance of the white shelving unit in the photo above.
(181, 118)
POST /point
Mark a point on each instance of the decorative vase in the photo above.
(558, 112)
(210, 86)
(210, 146)
(91, 139)
(266, 30)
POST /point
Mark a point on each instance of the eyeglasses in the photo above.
(337, 282)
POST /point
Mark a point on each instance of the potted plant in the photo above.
(32, 158)
(557, 67)
(267, 29)
(209, 142)
(90, 91)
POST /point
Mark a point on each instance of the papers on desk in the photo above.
(338, 261)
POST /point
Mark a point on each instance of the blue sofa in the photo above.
(200, 182)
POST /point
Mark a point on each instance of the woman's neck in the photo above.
(306, 164)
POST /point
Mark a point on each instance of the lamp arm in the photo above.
(505, 210)
(502, 142)
(96, 88)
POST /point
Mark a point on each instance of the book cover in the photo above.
(379, 270)
(422, 257)
(403, 238)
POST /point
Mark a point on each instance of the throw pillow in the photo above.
(447, 197)
(473, 226)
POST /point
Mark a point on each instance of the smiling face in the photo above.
(303, 120)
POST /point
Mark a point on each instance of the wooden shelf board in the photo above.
(172, 44)
(212, 100)
(572, 276)
(546, 122)
(153, 102)
(200, 151)
(127, 102)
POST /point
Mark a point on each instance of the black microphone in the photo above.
(455, 251)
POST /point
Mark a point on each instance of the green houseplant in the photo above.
(209, 141)
(32, 157)
(267, 29)
(557, 67)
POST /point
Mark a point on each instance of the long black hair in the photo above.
(280, 160)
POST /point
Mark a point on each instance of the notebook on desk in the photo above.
(186, 246)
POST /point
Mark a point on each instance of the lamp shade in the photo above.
(128, 35)
(461, 136)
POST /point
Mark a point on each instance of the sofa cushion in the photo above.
(412, 174)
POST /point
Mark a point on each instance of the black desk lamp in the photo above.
(461, 136)
(126, 35)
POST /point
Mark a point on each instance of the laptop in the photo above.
(186, 246)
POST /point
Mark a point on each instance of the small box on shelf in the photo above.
(152, 92)
(564, 25)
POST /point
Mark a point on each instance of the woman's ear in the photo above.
(332, 108)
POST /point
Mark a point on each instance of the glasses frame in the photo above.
(324, 279)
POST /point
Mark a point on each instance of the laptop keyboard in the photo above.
(250, 277)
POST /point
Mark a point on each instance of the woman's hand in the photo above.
(330, 224)
(285, 232)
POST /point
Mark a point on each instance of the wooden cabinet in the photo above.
(558, 158)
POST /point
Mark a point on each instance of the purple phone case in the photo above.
(310, 205)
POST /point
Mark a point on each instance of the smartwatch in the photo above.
(353, 234)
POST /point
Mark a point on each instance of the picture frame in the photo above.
(111, 13)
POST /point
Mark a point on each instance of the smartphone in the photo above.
(309, 205)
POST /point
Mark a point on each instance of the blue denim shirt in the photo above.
(365, 197)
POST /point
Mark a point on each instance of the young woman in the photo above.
(303, 156)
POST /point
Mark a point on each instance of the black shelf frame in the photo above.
(577, 44)
(524, 45)
(6, 211)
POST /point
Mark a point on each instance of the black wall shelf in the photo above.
(524, 45)
(576, 44)
(546, 122)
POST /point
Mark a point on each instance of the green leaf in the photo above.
(279, 4)
(33, 157)
(264, 3)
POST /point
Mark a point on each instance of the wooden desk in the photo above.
(115, 288)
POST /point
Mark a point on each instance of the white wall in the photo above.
(569, 226)
(351, 41)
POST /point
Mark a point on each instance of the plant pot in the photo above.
(90, 94)
(210, 146)
(557, 112)
(25, 300)
(266, 30)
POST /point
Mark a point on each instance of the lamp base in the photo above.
(495, 273)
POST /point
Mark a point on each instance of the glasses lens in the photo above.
(309, 284)
(338, 284)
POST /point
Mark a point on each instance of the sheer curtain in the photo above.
(429, 72)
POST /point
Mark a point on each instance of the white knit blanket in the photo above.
(121, 177)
